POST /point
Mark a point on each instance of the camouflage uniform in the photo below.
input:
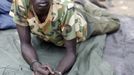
(62, 22)
(66, 20)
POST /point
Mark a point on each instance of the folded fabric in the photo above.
(9, 0)
(5, 6)
(6, 21)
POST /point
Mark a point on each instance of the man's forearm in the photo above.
(70, 57)
(29, 53)
(67, 62)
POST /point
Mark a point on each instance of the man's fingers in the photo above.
(43, 71)
(36, 73)
(49, 68)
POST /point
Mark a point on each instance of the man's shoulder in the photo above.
(22, 3)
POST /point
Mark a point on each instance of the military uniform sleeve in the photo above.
(68, 30)
(75, 27)
(19, 13)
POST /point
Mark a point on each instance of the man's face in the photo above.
(40, 5)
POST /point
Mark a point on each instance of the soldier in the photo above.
(60, 22)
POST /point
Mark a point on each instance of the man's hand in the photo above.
(40, 69)
(47, 67)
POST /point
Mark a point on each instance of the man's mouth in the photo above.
(43, 4)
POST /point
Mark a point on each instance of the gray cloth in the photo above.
(89, 60)
(11, 61)
(119, 50)
(89, 53)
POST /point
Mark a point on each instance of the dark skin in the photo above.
(41, 8)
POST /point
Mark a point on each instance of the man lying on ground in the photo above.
(64, 23)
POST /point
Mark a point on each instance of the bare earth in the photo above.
(122, 7)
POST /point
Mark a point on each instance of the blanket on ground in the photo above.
(89, 60)
(118, 53)
(89, 53)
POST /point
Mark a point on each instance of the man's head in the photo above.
(41, 5)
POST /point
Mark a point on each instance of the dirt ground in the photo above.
(122, 7)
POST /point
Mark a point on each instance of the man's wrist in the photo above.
(57, 73)
(32, 64)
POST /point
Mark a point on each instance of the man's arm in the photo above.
(69, 59)
(29, 53)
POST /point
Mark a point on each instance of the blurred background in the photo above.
(120, 7)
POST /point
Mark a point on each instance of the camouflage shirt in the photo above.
(62, 23)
